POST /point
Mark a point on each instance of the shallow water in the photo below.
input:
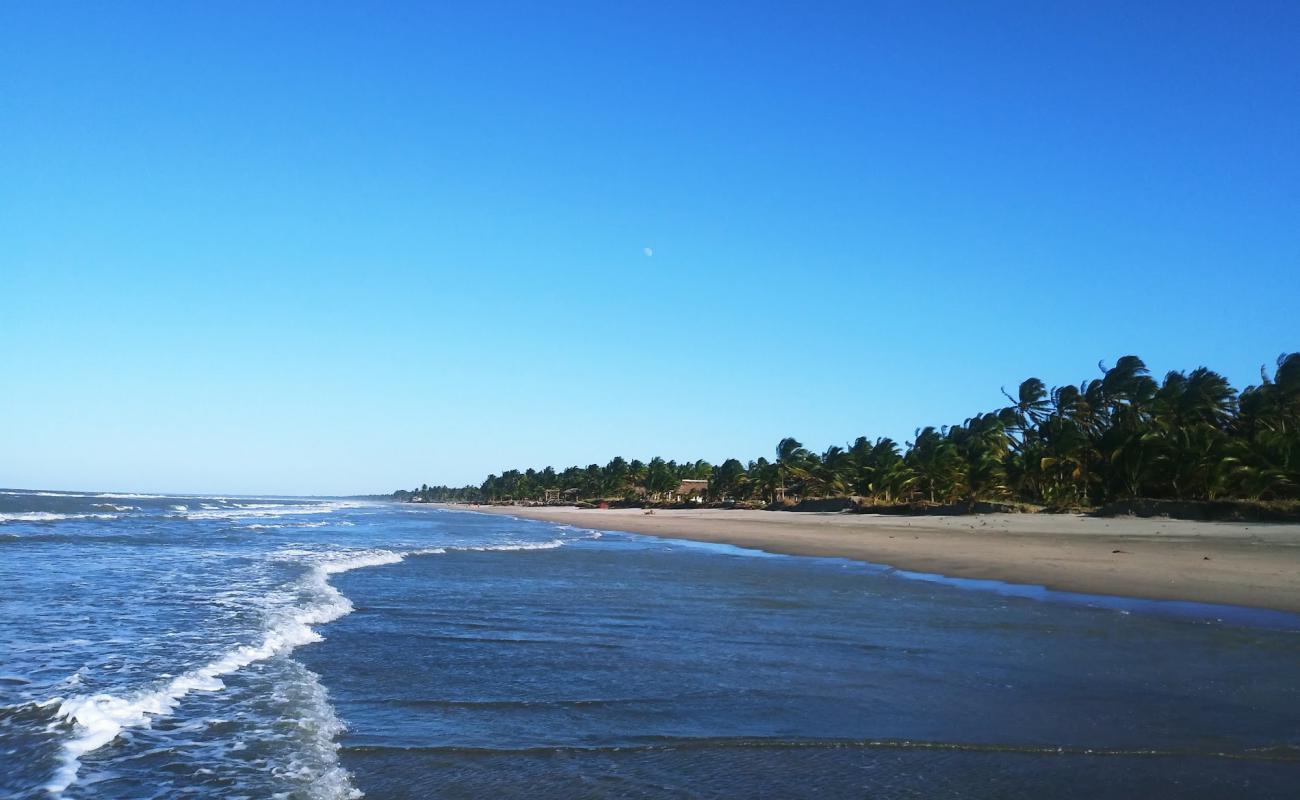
(235, 647)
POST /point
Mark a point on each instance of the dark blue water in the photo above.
(228, 647)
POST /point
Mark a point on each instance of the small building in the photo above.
(555, 496)
(691, 490)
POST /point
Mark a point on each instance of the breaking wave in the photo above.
(100, 718)
(291, 614)
(49, 516)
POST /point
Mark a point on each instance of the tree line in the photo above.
(1120, 436)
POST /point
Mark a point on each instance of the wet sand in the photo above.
(1245, 564)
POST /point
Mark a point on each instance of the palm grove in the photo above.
(1121, 436)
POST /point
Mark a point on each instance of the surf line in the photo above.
(100, 718)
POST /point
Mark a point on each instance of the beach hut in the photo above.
(691, 490)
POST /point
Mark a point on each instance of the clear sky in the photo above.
(350, 247)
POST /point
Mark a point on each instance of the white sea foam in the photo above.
(428, 551)
(316, 767)
(98, 719)
(34, 516)
(551, 545)
(49, 516)
(269, 510)
(78, 494)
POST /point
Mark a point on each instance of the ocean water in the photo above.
(218, 647)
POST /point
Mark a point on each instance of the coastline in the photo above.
(1252, 564)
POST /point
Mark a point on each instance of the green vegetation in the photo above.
(1119, 437)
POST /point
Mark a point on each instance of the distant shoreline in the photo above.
(1245, 564)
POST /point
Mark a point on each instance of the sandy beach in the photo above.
(1245, 564)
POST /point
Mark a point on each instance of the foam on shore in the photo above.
(100, 718)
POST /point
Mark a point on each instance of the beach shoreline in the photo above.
(1252, 564)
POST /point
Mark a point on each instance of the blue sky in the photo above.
(345, 247)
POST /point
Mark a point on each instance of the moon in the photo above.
(649, 251)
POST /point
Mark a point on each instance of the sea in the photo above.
(267, 647)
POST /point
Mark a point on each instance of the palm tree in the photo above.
(1190, 418)
(1065, 448)
(1268, 429)
(832, 475)
(728, 481)
(660, 477)
(792, 464)
(765, 477)
(1120, 435)
(939, 469)
(983, 445)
